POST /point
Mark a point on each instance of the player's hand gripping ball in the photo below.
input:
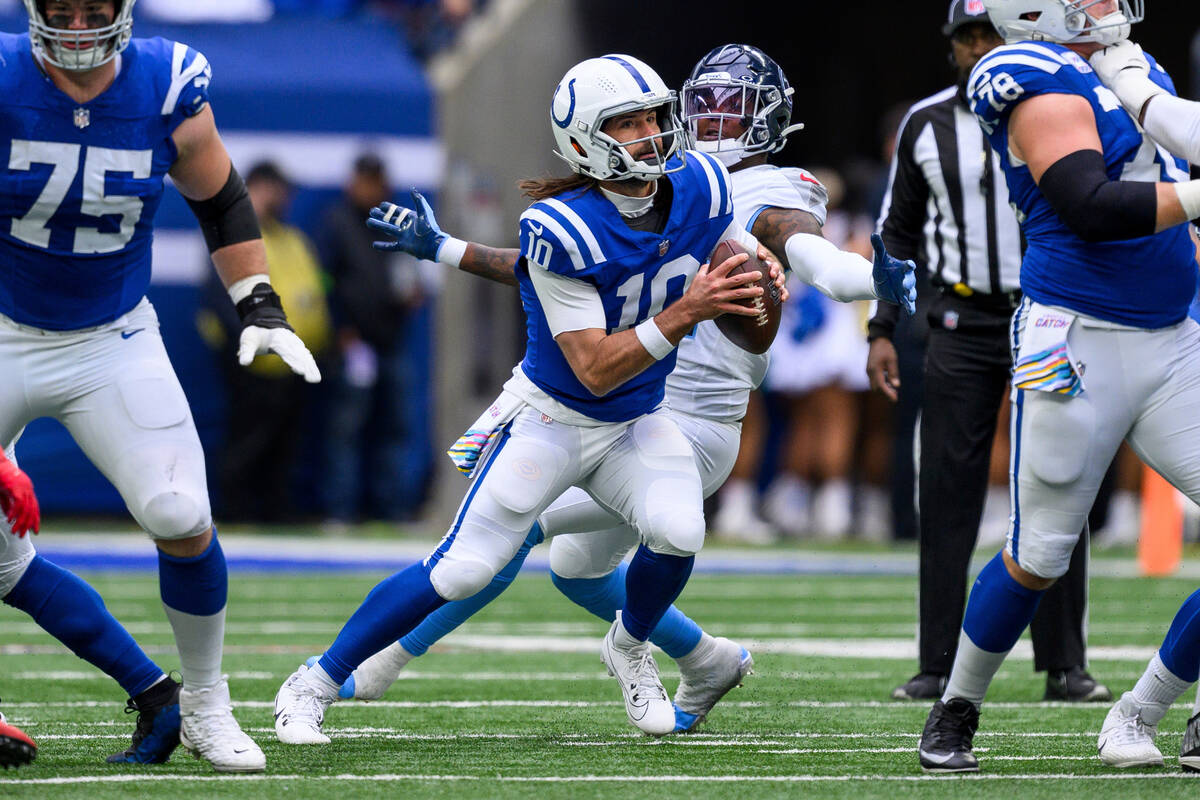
(752, 334)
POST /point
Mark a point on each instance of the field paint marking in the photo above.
(392, 778)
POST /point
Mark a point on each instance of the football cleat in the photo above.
(156, 734)
(1075, 685)
(646, 702)
(922, 686)
(16, 748)
(1127, 741)
(946, 741)
(300, 709)
(209, 731)
(1189, 749)
(701, 687)
(374, 676)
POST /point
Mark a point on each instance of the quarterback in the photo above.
(738, 106)
(1103, 349)
(91, 121)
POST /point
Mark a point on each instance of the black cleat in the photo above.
(157, 732)
(1189, 749)
(946, 741)
(922, 686)
(1075, 685)
(16, 748)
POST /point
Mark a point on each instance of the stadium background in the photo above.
(312, 91)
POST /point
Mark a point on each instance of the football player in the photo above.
(738, 106)
(1103, 348)
(91, 121)
(612, 276)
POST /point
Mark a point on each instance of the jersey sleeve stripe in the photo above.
(180, 77)
(716, 191)
(583, 232)
(565, 240)
(990, 62)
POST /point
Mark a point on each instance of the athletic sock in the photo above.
(652, 583)
(675, 633)
(194, 591)
(451, 615)
(1156, 690)
(998, 611)
(71, 611)
(392, 609)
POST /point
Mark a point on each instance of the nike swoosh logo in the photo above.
(134, 332)
(538, 229)
(243, 750)
(936, 757)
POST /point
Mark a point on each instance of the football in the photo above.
(752, 334)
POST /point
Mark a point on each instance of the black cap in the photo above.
(963, 12)
(267, 171)
(369, 164)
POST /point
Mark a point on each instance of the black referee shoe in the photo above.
(1075, 685)
(922, 686)
(1189, 750)
(946, 741)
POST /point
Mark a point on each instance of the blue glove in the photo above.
(895, 280)
(416, 232)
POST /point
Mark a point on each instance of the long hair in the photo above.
(552, 185)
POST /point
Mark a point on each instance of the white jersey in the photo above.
(713, 377)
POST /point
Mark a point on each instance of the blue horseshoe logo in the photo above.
(565, 121)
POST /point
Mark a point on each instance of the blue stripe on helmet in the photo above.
(637, 76)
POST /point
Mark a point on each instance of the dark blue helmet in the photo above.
(737, 103)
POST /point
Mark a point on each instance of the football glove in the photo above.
(895, 280)
(1124, 69)
(415, 232)
(17, 500)
(265, 329)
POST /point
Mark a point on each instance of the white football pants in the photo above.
(114, 390)
(642, 471)
(1139, 385)
(589, 542)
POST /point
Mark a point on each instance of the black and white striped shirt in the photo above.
(947, 205)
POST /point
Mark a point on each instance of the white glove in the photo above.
(283, 342)
(1124, 69)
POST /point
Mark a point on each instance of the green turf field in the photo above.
(516, 704)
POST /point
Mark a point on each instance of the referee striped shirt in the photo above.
(947, 205)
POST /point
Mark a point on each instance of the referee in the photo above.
(947, 208)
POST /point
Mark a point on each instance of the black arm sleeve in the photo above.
(1095, 208)
(883, 324)
(227, 217)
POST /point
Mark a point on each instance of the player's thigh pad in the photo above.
(649, 478)
(15, 555)
(135, 426)
(591, 555)
(715, 446)
(527, 467)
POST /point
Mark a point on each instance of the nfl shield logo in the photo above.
(975, 7)
(83, 118)
(663, 247)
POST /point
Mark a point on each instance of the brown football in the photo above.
(752, 334)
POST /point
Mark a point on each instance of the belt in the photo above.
(987, 301)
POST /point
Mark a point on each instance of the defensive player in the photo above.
(91, 121)
(1127, 736)
(1103, 349)
(738, 105)
(611, 280)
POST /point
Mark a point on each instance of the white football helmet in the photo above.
(1063, 21)
(599, 89)
(84, 49)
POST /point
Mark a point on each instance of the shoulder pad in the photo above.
(1010, 74)
(554, 237)
(190, 75)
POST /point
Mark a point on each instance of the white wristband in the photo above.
(451, 251)
(651, 337)
(240, 290)
(1189, 198)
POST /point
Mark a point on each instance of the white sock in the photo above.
(973, 671)
(319, 679)
(623, 639)
(198, 640)
(698, 654)
(1156, 690)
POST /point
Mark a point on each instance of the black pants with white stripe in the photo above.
(967, 362)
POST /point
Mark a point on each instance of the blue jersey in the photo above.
(1146, 282)
(636, 274)
(80, 182)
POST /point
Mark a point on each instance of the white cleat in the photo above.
(701, 686)
(1127, 741)
(300, 709)
(376, 675)
(646, 701)
(208, 731)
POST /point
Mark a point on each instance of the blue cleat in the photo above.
(347, 690)
(157, 732)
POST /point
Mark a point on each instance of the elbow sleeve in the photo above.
(1095, 208)
(227, 217)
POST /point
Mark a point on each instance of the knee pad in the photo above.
(457, 576)
(15, 558)
(675, 528)
(590, 555)
(175, 515)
